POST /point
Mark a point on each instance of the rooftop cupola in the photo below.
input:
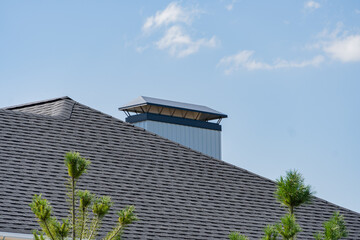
(194, 126)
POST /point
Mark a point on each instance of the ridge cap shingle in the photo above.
(60, 108)
(36, 103)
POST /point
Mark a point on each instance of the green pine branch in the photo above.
(237, 236)
(334, 228)
(292, 192)
(81, 203)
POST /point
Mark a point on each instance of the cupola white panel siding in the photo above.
(203, 140)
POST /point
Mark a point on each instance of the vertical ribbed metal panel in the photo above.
(142, 124)
(203, 140)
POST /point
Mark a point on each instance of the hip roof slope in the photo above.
(178, 193)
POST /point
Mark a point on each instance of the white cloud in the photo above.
(328, 34)
(357, 11)
(172, 22)
(312, 5)
(338, 44)
(244, 59)
(346, 49)
(141, 49)
(173, 13)
(179, 44)
(230, 6)
(287, 22)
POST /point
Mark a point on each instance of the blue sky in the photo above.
(286, 73)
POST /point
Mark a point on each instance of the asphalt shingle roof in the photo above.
(178, 193)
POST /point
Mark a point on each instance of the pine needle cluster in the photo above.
(334, 229)
(237, 236)
(292, 192)
(288, 228)
(271, 233)
(86, 210)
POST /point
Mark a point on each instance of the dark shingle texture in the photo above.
(178, 193)
(58, 108)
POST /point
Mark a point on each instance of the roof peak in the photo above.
(57, 107)
(30, 104)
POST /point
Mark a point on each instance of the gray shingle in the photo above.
(58, 107)
(178, 193)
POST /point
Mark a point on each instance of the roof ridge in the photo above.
(37, 103)
(60, 108)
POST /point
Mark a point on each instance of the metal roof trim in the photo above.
(215, 113)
